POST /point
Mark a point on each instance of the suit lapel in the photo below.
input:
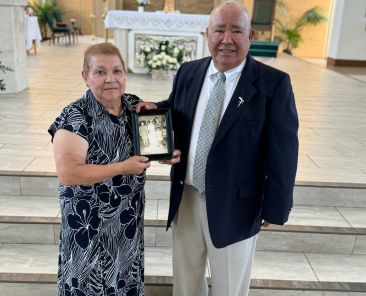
(194, 85)
(244, 90)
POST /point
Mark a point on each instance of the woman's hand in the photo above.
(135, 165)
(174, 160)
(145, 105)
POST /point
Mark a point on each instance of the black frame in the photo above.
(161, 145)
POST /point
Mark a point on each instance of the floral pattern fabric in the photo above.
(101, 241)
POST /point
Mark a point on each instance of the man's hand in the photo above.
(174, 160)
(265, 223)
(145, 105)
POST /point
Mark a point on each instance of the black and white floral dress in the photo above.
(101, 242)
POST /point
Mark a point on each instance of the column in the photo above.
(12, 45)
(347, 39)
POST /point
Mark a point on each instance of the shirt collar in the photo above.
(94, 108)
(212, 70)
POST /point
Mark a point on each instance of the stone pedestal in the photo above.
(12, 45)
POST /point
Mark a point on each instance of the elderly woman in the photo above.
(101, 184)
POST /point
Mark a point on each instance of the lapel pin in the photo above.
(241, 101)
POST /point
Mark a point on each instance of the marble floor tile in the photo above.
(33, 150)
(151, 209)
(306, 162)
(280, 266)
(9, 185)
(57, 230)
(41, 186)
(24, 139)
(14, 163)
(158, 261)
(26, 233)
(28, 258)
(157, 169)
(360, 245)
(150, 237)
(306, 242)
(342, 175)
(345, 162)
(157, 189)
(355, 216)
(342, 268)
(265, 292)
(41, 164)
(317, 216)
(164, 238)
(325, 196)
(36, 129)
(326, 293)
(21, 289)
(163, 209)
(28, 206)
(11, 127)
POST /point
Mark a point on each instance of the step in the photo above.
(339, 230)
(45, 185)
(158, 186)
(288, 271)
(334, 229)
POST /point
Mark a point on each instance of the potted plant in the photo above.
(3, 69)
(290, 32)
(39, 9)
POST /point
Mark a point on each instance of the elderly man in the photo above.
(235, 122)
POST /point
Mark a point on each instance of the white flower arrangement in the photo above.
(142, 3)
(161, 55)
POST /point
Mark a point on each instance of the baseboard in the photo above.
(345, 63)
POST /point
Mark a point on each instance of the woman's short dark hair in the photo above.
(104, 48)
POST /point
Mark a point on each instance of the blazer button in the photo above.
(181, 182)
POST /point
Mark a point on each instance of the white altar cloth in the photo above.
(120, 19)
(32, 31)
(130, 27)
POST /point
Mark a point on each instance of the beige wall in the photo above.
(314, 37)
(80, 10)
(184, 6)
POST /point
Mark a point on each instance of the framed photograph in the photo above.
(153, 133)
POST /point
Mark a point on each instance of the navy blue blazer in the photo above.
(252, 163)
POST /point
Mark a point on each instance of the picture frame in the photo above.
(153, 133)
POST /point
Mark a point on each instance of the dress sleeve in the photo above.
(71, 119)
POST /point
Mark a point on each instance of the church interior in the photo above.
(321, 251)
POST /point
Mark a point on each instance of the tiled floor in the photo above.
(331, 108)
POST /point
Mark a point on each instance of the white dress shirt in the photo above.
(232, 78)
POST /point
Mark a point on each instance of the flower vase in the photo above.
(161, 75)
(140, 8)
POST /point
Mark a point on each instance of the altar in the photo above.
(133, 31)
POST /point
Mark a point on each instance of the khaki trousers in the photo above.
(229, 267)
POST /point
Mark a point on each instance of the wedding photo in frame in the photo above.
(153, 133)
